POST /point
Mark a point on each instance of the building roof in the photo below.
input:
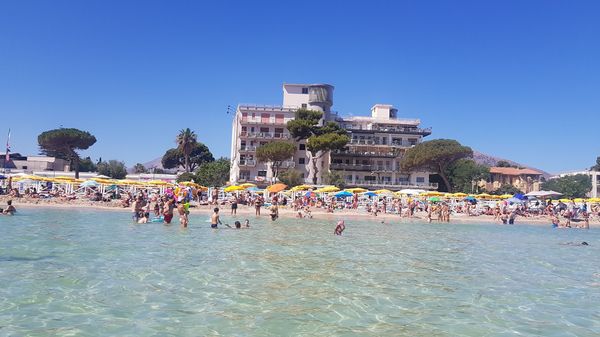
(513, 171)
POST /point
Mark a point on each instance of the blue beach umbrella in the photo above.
(370, 194)
(514, 200)
(253, 189)
(2, 177)
(343, 194)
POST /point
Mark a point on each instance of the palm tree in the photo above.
(185, 143)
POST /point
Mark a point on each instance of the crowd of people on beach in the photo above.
(161, 205)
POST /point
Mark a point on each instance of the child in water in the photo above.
(339, 228)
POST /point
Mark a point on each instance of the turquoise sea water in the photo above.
(94, 273)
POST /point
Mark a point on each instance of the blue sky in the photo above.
(515, 79)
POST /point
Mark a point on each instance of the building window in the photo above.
(301, 161)
(302, 147)
(420, 179)
(305, 90)
(262, 173)
(370, 178)
(304, 105)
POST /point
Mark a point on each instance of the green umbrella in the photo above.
(434, 199)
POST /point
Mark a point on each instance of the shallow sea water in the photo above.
(94, 273)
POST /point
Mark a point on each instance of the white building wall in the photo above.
(293, 96)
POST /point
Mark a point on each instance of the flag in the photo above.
(7, 158)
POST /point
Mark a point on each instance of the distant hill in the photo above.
(157, 163)
(487, 160)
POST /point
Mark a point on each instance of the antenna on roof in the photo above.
(230, 109)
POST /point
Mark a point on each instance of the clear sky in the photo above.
(515, 79)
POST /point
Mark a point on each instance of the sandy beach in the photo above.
(285, 212)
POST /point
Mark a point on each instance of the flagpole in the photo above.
(7, 157)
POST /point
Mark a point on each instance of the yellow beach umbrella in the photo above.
(383, 192)
(579, 200)
(483, 196)
(247, 185)
(233, 188)
(432, 194)
(565, 200)
(459, 195)
(356, 190)
(300, 188)
(506, 196)
(327, 189)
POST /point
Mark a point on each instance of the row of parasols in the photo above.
(100, 181)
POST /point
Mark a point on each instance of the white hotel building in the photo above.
(371, 159)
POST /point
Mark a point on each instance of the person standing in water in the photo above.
(215, 219)
(339, 229)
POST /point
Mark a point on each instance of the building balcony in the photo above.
(248, 162)
(398, 185)
(263, 122)
(350, 167)
(247, 148)
(357, 153)
(395, 130)
(264, 135)
(363, 142)
(288, 164)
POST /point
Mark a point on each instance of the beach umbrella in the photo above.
(233, 188)
(578, 200)
(247, 185)
(483, 196)
(161, 182)
(310, 194)
(410, 191)
(300, 188)
(89, 183)
(434, 199)
(2, 177)
(384, 192)
(276, 188)
(356, 190)
(343, 194)
(253, 189)
(459, 195)
(520, 196)
(327, 189)
(432, 194)
(514, 200)
(370, 194)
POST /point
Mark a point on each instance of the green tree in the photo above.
(507, 189)
(464, 173)
(139, 168)
(175, 158)
(275, 153)
(186, 176)
(291, 177)
(64, 143)
(86, 165)
(597, 166)
(575, 186)
(435, 155)
(320, 140)
(112, 168)
(335, 178)
(215, 173)
(186, 139)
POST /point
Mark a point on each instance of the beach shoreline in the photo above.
(286, 212)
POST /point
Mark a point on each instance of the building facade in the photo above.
(526, 180)
(19, 163)
(371, 159)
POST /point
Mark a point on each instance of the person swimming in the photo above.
(247, 223)
(339, 229)
(238, 225)
(10, 209)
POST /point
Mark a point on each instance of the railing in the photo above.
(356, 167)
(288, 164)
(259, 107)
(404, 130)
(390, 154)
(389, 184)
(379, 168)
(247, 162)
(265, 135)
(263, 122)
(247, 148)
